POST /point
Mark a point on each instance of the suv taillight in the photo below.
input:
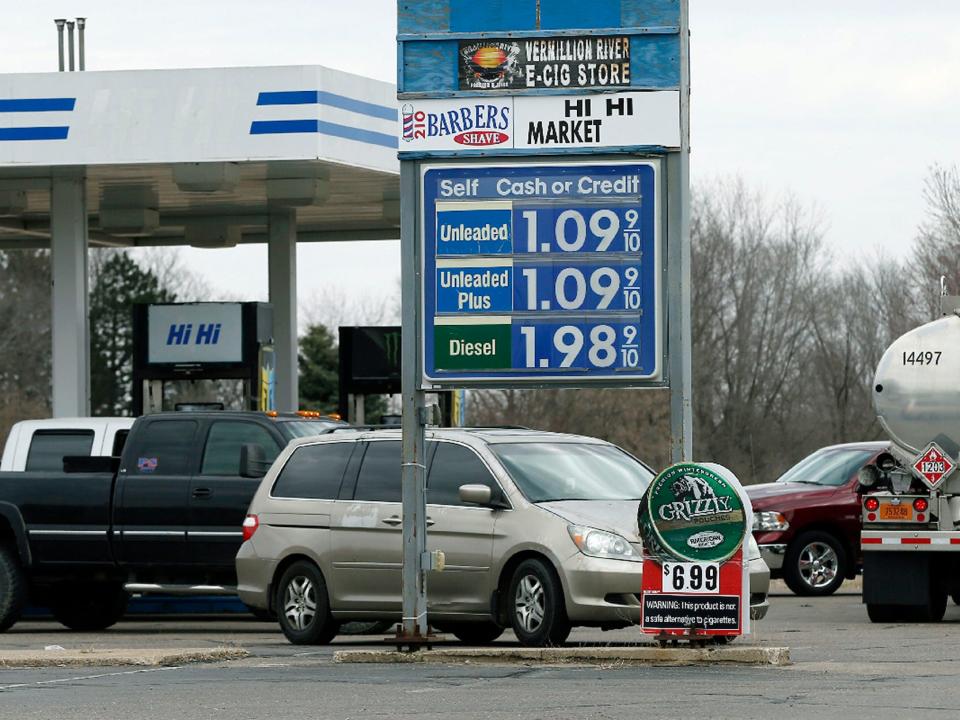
(250, 525)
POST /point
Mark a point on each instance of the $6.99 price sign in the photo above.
(694, 578)
(541, 273)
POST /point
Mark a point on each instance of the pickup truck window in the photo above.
(314, 472)
(379, 478)
(119, 440)
(221, 456)
(163, 448)
(48, 447)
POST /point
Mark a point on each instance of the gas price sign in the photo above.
(541, 273)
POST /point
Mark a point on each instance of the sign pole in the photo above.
(413, 476)
(678, 266)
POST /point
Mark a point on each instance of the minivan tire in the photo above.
(814, 546)
(481, 633)
(89, 606)
(535, 602)
(303, 605)
(13, 588)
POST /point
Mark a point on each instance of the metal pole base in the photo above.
(412, 642)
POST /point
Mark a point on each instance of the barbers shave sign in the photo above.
(621, 119)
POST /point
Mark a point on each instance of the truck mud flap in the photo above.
(897, 578)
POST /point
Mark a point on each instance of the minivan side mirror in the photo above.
(482, 495)
(253, 461)
(476, 494)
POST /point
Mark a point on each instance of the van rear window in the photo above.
(48, 448)
(314, 472)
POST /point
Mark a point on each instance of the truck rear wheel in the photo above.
(13, 588)
(89, 606)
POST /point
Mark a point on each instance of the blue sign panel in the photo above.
(541, 273)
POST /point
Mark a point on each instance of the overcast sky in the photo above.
(846, 105)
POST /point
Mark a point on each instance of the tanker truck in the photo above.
(910, 499)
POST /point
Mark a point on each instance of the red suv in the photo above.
(807, 523)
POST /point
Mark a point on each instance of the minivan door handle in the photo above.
(394, 520)
(202, 492)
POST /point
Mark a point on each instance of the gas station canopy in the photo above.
(201, 157)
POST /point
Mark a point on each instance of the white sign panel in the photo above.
(195, 333)
(608, 120)
(600, 120)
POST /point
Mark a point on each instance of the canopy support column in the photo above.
(68, 275)
(282, 251)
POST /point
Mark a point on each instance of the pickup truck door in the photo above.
(152, 505)
(219, 497)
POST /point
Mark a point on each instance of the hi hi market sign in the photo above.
(622, 119)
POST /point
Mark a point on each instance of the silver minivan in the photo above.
(539, 533)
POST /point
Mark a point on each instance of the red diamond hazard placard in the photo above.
(933, 466)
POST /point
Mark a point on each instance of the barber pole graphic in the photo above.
(413, 123)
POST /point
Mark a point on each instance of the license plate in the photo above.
(896, 512)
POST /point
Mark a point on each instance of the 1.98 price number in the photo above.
(696, 578)
(577, 345)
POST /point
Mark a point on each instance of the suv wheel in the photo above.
(13, 588)
(303, 606)
(537, 613)
(481, 633)
(89, 606)
(815, 564)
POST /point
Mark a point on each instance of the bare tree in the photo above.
(936, 250)
(755, 269)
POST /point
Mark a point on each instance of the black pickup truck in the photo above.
(165, 517)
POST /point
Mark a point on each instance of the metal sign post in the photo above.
(544, 212)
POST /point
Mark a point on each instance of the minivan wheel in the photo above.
(481, 633)
(303, 606)
(815, 564)
(537, 613)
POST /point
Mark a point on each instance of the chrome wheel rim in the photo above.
(529, 603)
(300, 602)
(818, 565)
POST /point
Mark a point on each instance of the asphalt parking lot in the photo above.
(842, 665)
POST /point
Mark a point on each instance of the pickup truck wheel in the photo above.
(303, 606)
(537, 611)
(89, 606)
(815, 564)
(13, 588)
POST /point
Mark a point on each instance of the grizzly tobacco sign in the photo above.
(557, 62)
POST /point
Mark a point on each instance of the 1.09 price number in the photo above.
(696, 578)
(578, 346)
(578, 229)
(554, 286)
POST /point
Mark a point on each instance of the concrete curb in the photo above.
(608, 656)
(113, 658)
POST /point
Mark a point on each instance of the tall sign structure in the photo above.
(544, 149)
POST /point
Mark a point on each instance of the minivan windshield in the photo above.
(827, 467)
(545, 471)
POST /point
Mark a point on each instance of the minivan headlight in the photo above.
(769, 522)
(598, 543)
